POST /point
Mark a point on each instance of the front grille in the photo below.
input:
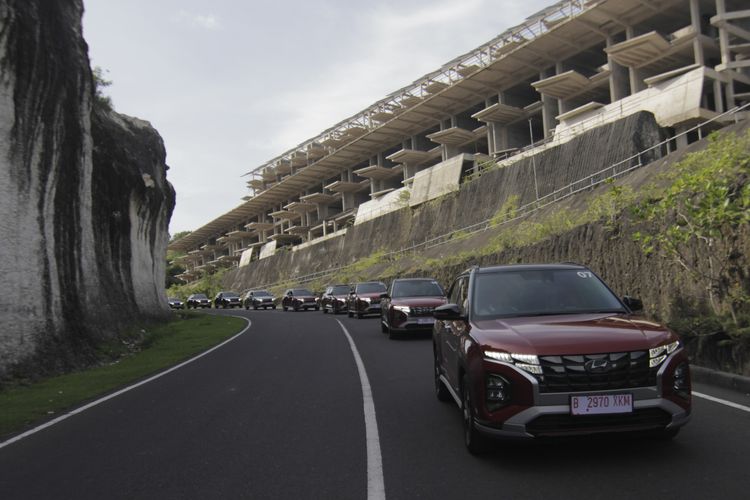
(624, 370)
(421, 311)
(562, 424)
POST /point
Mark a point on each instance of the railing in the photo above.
(584, 184)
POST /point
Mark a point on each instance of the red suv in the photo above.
(299, 298)
(334, 298)
(365, 299)
(409, 305)
(549, 350)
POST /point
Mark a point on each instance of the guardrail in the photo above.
(585, 183)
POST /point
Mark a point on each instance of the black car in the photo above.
(197, 300)
(334, 298)
(227, 299)
(175, 303)
(259, 298)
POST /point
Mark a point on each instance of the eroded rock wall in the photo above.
(84, 201)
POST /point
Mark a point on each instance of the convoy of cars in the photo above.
(532, 351)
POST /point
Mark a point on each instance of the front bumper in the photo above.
(549, 414)
(414, 324)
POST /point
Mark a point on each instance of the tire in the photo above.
(325, 311)
(317, 308)
(360, 315)
(475, 442)
(441, 392)
(284, 307)
(392, 333)
(350, 314)
(383, 328)
(255, 308)
(274, 307)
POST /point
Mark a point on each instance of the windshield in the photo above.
(230, 294)
(261, 293)
(199, 296)
(370, 288)
(340, 290)
(536, 292)
(301, 291)
(421, 288)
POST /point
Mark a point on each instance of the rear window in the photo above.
(426, 288)
(370, 288)
(535, 292)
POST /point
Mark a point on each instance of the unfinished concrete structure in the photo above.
(576, 65)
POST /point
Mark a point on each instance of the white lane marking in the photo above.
(722, 401)
(121, 391)
(375, 483)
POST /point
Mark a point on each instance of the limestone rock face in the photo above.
(84, 200)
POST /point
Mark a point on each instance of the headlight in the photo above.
(365, 299)
(658, 354)
(527, 362)
(403, 309)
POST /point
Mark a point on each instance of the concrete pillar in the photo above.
(718, 96)
(726, 57)
(695, 22)
(550, 109)
(636, 77)
(618, 77)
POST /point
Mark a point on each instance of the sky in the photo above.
(232, 84)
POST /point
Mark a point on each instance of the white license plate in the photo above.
(425, 321)
(600, 404)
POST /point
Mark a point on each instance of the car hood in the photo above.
(304, 297)
(570, 334)
(431, 301)
(375, 295)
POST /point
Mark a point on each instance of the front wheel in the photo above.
(475, 442)
(284, 308)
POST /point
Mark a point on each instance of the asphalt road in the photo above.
(278, 413)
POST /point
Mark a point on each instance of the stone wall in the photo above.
(476, 201)
(84, 201)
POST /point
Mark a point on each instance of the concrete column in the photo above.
(695, 22)
(636, 78)
(550, 109)
(718, 96)
(618, 77)
(726, 57)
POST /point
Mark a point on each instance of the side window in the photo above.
(463, 294)
(454, 296)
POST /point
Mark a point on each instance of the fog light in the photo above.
(498, 392)
(682, 380)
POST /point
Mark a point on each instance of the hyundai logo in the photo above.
(598, 366)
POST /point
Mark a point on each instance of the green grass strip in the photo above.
(166, 345)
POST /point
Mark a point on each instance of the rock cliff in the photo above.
(84, 200)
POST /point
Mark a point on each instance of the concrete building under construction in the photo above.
(574, 66)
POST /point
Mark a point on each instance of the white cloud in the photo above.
(209, 22)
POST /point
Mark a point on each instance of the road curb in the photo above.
(721, 379)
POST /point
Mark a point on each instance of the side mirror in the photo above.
(385, 295)
(448, 312)
(632, 303)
